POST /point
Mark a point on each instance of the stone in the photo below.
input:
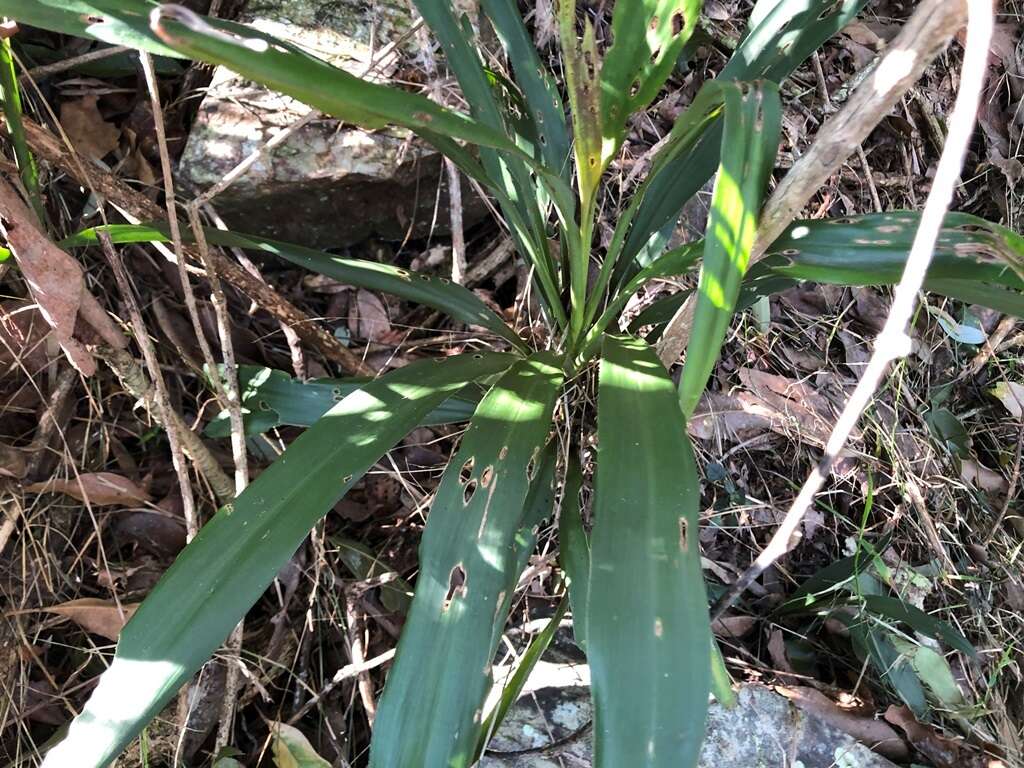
(550, 726)
(330, 184)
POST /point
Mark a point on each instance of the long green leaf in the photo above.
(514, 686)
(237, 554)
(256, 56)
(872, 250)
(574, 551)
(10, 97)
(545, 103)
(430, 713)
(436, 292)
(520, 193)
(648, 36)
(785, 34)
(271, 398)
(648, 635)
(753, 121)
(975, 261)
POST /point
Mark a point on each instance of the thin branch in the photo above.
(168, 415)
(893, 342)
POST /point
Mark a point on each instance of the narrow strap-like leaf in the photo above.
(514, 686)
(772, 50)
(648, 36)
(648, 635)
(753, 121)
(430, 713)
(237, 554)
(872, 250)
(539, 90)
(272, 398)
(574, 550)
(436, 292)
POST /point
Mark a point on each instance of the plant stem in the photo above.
(11, 97)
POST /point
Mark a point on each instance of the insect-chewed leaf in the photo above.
(648, 36)
(223, 571)
(546, 109)
(753, 121)
(439, 293)
(782, 34)
(431, 710)
(648, 633)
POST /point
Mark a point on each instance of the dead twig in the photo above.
(893, 342)
(135, 205)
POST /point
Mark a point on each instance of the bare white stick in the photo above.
(893, 342)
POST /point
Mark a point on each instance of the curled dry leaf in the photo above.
(940, 751)
(90, 134)
(100, 617)
(103, 489)
(769, 403)
(875, 734)
(56, 283)
(371, 317)
(733, 626)
(982, 477)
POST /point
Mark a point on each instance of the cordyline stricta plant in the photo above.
(636, 591)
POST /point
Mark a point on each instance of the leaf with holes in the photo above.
(780, 36)
(648, 635)
(436, 292)
(647, 38)
(237, 554)
(430, 713)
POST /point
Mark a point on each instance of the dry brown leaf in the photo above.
(862, 34)
(940, 751)
(56, 283)
(777, 651)
(738, 417)
(100, 488)
(872, 733)
(982, 477)
(773, 403)
(99, 617)
(12, 462)
(23, 333)
(371, 321)
(90, 134)
(733, 626)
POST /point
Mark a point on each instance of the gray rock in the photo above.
(549, 727)
(329, 184)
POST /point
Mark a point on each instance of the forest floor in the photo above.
(932, 477)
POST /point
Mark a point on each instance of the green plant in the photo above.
(636, 588)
